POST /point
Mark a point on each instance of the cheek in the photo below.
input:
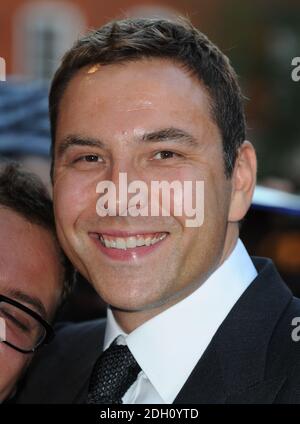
(187, 200)
(205, 202)
(74, 195)
(12, 364)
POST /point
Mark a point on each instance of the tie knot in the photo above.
(114, 372)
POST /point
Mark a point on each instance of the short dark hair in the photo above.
(24, 193)
(175, 39)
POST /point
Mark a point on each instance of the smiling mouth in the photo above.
(129, 242)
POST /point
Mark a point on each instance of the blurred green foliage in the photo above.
(261, 38)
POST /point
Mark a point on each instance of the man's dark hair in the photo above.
(175, 39)
(24, 193)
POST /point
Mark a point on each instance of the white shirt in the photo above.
(168, 346)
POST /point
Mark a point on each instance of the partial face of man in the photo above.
(111, 120)
(30, 273)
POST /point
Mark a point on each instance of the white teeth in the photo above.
(130, 242)
(107, 243)
(147, 241)
(121, 243)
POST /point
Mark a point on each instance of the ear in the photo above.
(243, 182)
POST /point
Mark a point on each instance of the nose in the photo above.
(123, 180)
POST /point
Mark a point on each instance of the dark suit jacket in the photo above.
(251, 359)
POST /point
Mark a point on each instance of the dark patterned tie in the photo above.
(113, 373)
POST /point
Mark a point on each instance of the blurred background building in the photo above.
(261, 38)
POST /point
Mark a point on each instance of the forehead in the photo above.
(150, 90)
(27, 250)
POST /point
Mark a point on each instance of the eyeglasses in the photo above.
(26, 331)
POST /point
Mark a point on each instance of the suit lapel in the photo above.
(77, 372)
(232, 369)
(262, 392)
(205, 384)
(87, 362)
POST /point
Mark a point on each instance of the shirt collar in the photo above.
(169, 345)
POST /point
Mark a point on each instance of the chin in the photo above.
(126, 303)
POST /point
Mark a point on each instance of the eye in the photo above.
(166, 154)
(90, 158)
(85, 159)
(87, 162)
(13, 320)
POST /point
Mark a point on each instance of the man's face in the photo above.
(105, 118)
(30, 273)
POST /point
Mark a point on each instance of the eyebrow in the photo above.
(74, 140)
(170, 134)
(164, 134)
(30, 300)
